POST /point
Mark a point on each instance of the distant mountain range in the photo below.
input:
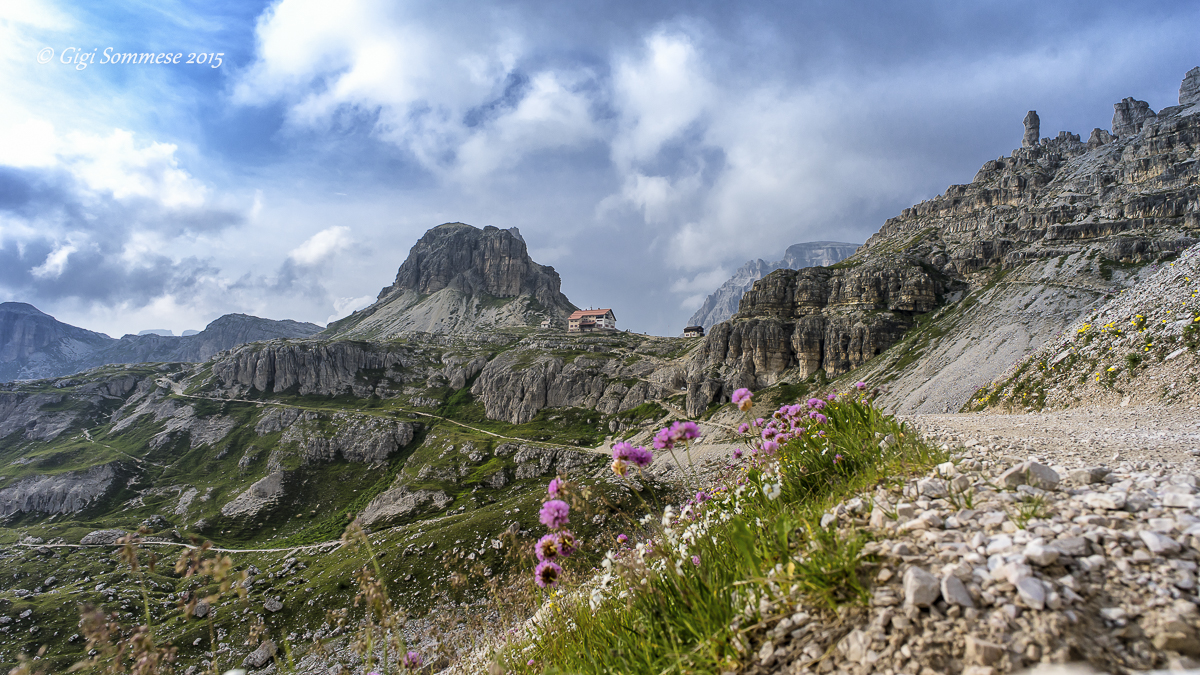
(35, 345)
(723, 303)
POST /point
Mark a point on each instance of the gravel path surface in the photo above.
(1080, 436)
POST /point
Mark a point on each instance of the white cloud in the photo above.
(117, 165)
(553, 114)
(322, 245)
(707, 281)
(344, 306)
(56, 262)
(418, 83)
(658, 95)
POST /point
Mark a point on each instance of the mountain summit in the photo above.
(461, 279)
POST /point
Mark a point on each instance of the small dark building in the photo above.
(693, 331)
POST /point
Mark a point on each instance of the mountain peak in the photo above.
(459, 278)
(23, 308)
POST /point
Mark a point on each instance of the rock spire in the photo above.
(1032, 130)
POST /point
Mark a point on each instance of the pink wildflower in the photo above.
(546, 574)
(546, 548)
(741, 398)
(554, 514)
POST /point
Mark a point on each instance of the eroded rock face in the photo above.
(397, 503)
(723, 303)
(1098, 138)
(259, 497)
(23, 413)
(69, 492)
(812, 319)
(325, 368)
(356, 438)
(517, 384)
(1189, 89)
(1129, 116)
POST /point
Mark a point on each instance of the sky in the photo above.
(286, 160)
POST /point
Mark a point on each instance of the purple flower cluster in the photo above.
(560, 543)
(667, 437)
(412, 661)
(742, 399)
(785, 424)
(625, 454)
(555, 514)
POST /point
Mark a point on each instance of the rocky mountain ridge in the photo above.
(1061, 221)
(723, 302)
(461, 279)
(35, 345)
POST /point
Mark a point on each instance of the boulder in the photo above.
(921, 589)
(260, 656)
(102, 537)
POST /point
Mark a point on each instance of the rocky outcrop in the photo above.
(1098, 138)
(401, 502)
(102, 537)
(534, 460)
(1033, 132)
(723, 303)
(25, 413)
(517, 384)
(1189, 89)
(813, 319)
(69, 492)
(35, 345)
(263, 495)
(1129, 116)
(460, 279)
(322, 368)
(325, 438)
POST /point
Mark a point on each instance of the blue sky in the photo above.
(644, 149)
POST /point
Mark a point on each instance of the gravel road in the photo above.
(1079, 436)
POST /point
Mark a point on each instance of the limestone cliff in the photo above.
(723, 302)
(1049, 226)
(461, 279)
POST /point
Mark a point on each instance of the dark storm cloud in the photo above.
(48, 211)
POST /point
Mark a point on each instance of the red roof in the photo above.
(589, 312)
